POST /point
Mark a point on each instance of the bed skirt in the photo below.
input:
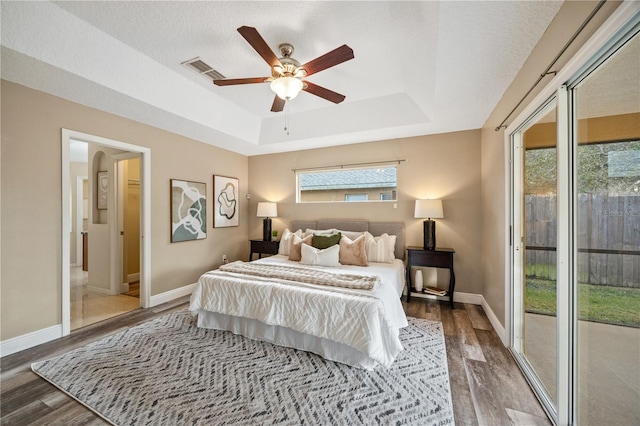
(284, 336)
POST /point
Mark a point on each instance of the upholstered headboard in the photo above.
(374, 228)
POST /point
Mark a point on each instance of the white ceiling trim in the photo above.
(43, 31)
(419, 68)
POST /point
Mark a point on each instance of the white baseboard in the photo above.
(29, 340)
(472, 299)
(100, 290)
(495, 322)
(131, 278)
(170, 295)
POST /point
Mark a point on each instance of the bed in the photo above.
(278, 300)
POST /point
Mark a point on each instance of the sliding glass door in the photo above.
(575, 288)
(535, 285)
(607, 285)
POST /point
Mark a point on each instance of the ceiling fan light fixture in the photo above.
(286, 87)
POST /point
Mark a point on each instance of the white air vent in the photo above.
(203, 69)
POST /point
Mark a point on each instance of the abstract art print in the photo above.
(188, 210)
(225, 201)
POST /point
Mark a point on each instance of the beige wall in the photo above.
(494, 186)
(31, 203)
(443, 166)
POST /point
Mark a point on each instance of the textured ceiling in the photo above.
(419, 67)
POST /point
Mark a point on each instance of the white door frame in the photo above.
(145, 217)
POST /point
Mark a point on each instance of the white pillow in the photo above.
(380, 249)
(327, 257)
(310, 231)
(352, 235)
(284, 241)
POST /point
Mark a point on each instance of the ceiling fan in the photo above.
(287, 74)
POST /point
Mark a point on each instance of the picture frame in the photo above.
(225, 201)
(188, 210)
(102, 194)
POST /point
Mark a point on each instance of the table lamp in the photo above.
(267, 210)
(430, 209)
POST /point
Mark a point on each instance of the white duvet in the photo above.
(368, 321)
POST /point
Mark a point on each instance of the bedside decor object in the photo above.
(418, 280)
(103, 190)
(267, 210)
(225, 201)
(188, 210)
(430, 209)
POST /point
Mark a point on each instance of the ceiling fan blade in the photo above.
(320, 91)
(278, 104)
(328, 60)
(257, 42)
(232, 81)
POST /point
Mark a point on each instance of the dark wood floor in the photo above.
(486, 385)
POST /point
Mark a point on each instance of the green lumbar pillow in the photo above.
(323, 241)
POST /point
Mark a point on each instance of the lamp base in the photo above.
(266, 229)
(429, 234)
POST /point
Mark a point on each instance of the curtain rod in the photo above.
(342, 166)
(547, 72)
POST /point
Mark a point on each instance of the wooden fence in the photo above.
(608, 239)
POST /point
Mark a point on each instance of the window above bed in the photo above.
(347, 184)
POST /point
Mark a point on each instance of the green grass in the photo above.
(613, 305)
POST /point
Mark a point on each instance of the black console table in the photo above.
(263, 247)
(438, 258)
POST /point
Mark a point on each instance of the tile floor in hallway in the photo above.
(89, 307)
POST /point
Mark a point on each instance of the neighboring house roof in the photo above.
(346, 179)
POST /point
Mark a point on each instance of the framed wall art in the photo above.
(225, 201)
(103, 190)
(188, 210)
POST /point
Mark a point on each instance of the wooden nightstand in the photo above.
(438, 258)
(263, 247)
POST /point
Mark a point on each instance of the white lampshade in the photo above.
(431, 209)
(286, 87)
(266, 209)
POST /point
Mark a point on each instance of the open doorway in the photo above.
(92, 296)
(105, 258)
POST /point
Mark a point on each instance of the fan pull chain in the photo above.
(286, 118)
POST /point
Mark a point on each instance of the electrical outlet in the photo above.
(224, 258)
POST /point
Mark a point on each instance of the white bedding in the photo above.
(366, 321)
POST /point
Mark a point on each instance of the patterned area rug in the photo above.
(169, 372)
